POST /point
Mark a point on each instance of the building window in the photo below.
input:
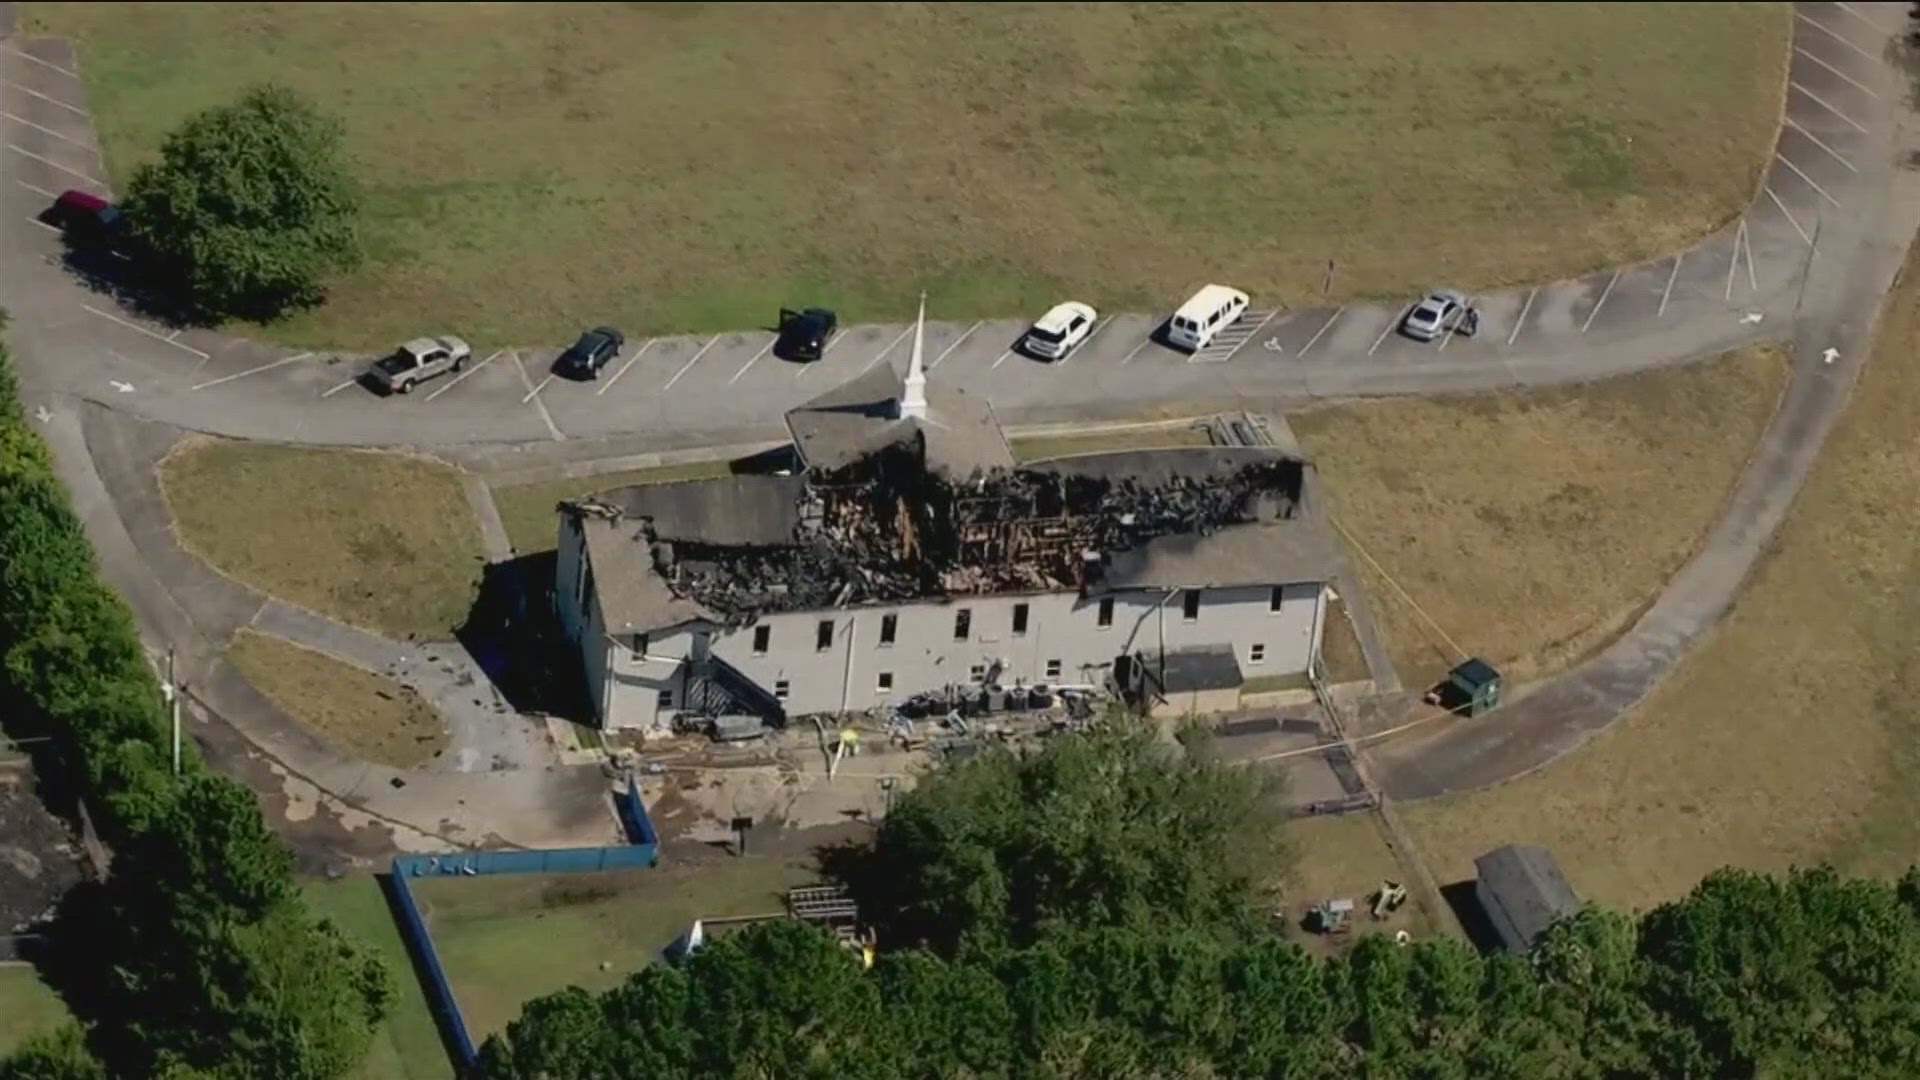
(780, 690)
(889, 625)
(1190, 605)
(666, 698)
(962, 624)
(884, 682)
(762, 637)
(823, 635)
(1019, 620)
(1273, 600)
(1257, 653)
(1106, 612)
(639, 646)
(977, 672)
(1053, 669)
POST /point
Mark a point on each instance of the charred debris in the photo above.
(887, 529)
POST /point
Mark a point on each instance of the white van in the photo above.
(1211, 309)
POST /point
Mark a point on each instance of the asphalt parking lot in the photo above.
(1716, 295)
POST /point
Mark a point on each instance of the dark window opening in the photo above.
(762, 637)
(1106, 611)
(1273, 599)
(1190, 605)
(885, 682)
(962, 624)
(780, 690)
(1019, 619)
(823, 635)
(889, 624)
(639, 646)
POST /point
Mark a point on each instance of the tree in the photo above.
(249, 206)
(60, 1056)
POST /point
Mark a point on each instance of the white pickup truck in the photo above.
(417, 361)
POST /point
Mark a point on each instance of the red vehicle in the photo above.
(88, 217)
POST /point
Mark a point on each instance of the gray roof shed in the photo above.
(1522, 890)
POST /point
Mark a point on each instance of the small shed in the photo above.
(1522, 891)
(1198, 681)
(1474, 687)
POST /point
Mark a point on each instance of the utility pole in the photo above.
(173, 710)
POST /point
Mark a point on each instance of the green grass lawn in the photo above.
(383, 541)
(407, 1046)
(527, 510)
(27, 1006)
(508, 938)
(1041, 447)
(532, 168)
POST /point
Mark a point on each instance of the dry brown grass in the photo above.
(1790, 735)
(1340, 657)
(1532, 527)
(383, 541)
(364, 713)
(533, 168)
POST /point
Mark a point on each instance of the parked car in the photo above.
(88, 218)
(804, 334)
(1444, 310)
(1206, 313)
(417, 361)
(595, 349)
(1057, 333)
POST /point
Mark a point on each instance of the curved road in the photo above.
(1813, 257)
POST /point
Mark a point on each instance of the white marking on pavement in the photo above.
(68, 72)
(1812, 138)
(43, 97)
(695, 359)
(1273, 345)
(1251, 334)
(1788, 162)
(1816, 24)
(1746, 241)
(457, 376)
(1843, 76)
(123, 387)
(965, 336)
(1604, 293)
(1003, 358)
(282, 362)
(807, 366)
(1448, 336)
(1751, 318)
(1667, 293)
(1088, 340)
(55, 229)
(329, 392)
(882, 354)
(42, 413)
(533, 392)
(87, 146)
(1323, 329)
(1830, 355)
(152, 334)
(175, 334)
(631, 360)
(1857, 15)
(1389, 328)
(1734, 264)
(36, 189)
(764, 350)
(1829, 106)
(1787, 214)
(101, 184)
(1521, 319)
(1144, 342)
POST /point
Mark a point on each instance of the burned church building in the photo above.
(909, 553)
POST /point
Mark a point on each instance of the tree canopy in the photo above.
(249, 206)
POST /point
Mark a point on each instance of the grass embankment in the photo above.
(1533, 527)
(383, 541)
(28, 1007)
(367, 714)
(680, 167)
(1789, 736)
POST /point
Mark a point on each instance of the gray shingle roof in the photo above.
(959, 435)
(1524, 892)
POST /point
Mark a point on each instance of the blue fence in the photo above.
(643, 851)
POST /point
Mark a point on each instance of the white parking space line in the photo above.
(1788, 162)
(648, 344)
(828, 348)
(695, 359)
(958, 340)
(1667, 293)
(1324, 327)
(336, 388)
(282, 362)
(882, 354)
(764, 350)
(1857, 15)
(1389, 328)
(1784, 212)
(1451, 330)
(1746, 241)
(1815, 140)
(457, 376)
(533, 393)
(1841, 75)
(1829, 106)
(1084, 342)
(68, 72)
(1608, 291)
(1734, 263)
(152, 334)
(1004, 357)
(1816, 24)
(45, 98)
(1144, 342)
(101, 184)
(54, 229)
(1251, 334)
(36, 189)
(1520, 320)
(89, 147)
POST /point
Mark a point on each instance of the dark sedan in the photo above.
(804, 335)
(595, 349)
